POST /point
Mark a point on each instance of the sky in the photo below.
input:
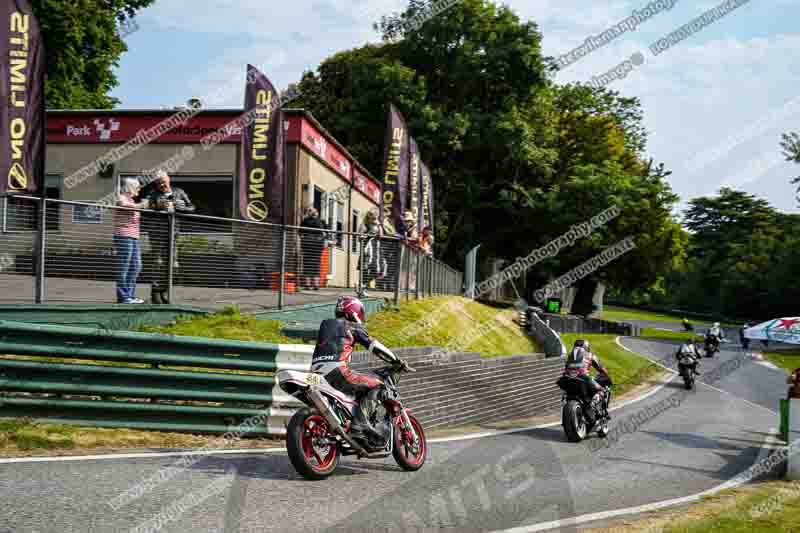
(715, 103)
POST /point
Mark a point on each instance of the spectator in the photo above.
(126, 242)
(426, 241)
(164, 197)
(410, 228)
(312, 243)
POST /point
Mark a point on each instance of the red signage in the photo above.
(109, 128)
(312, 139)
(366, 186)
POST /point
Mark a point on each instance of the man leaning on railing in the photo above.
(164, 197)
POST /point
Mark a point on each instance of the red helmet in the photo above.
(350, 308)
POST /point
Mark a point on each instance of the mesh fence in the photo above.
(96, 253)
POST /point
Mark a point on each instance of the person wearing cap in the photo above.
(164, 197)
(127, 224)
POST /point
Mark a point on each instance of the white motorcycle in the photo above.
(317, 435)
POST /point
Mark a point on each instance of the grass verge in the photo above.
(227, 324)
(661, 335)
(23, 436)
(628, 370)
(786, 359)
(622, 314)
(769, 506)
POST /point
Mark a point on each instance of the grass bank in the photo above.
(770, 506)
(451, 321)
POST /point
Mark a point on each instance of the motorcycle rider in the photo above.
(686, 324)
(714, 335)
(332, 354)
(744, 340)
(579, 361)
(689, 350)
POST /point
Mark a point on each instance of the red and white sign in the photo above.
(84, 128)
(315, 141)
(366, 186)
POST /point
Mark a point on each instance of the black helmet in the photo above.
(581, 343)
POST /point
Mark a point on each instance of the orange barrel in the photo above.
(289, 284)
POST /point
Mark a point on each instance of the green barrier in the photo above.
(127, 386)
(784, 414)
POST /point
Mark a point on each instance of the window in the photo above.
(339, 225)
(354, 229)
(318, 200)
(52, 189)
(211, 196)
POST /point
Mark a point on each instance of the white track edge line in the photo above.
(604, 515)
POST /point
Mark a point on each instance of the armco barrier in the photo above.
(545, 335)
(575, 324)
(169, 383)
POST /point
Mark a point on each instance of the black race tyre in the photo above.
(573, 422)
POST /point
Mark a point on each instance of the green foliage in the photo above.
(82, 47)
(791, 151)
(516, 159)
(744, 256)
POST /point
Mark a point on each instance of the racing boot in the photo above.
(361, 427)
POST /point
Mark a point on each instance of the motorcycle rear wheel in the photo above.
(573, 422)
(404, 452)
(305, 428)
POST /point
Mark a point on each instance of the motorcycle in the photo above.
(581, 412)
(319, 434)
(711, 346)
(685, 365)
(687, 326)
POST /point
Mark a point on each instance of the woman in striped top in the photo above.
(126, 241)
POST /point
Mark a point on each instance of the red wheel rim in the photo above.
(413, 457)
(315, 428)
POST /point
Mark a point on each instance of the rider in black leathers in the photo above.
(332, 356)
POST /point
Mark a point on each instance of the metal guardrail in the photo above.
(142, 380)
(45, 243)
(191, 384)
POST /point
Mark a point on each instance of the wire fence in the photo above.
(59, 251)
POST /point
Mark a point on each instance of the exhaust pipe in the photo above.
(324, 409)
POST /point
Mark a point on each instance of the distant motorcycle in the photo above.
(685, 365)
(711, 345)
(581, 412)
(319, 434)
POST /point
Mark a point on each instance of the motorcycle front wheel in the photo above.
(408, 451)
(311, 452)
(573, 422)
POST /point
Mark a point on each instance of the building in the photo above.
(320, 173)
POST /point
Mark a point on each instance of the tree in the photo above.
(791, 150)
(82, 47)
(515, 158)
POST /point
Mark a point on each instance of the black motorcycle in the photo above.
(686, 366)
(582, 412)
(711, 345)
